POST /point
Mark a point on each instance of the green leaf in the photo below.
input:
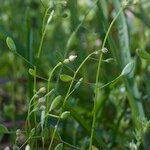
(128, 68)
(65, 78)
(143, 54)
(56, 102)
(3, 129)
(59, 146)
(65, 115)
(32, 72)
(11, 44)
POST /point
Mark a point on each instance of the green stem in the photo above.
(67, 96)
(97, 78)
(49, 81)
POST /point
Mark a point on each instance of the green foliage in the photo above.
(3, 129)
(73, 78)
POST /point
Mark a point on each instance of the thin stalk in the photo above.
(44, 29)
(97, 78)
(49, 81)
(67, 95)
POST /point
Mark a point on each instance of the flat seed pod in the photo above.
(65, 115)
(59, 146)
(65, 78)
(56, 102)
(11, 44)
(128, 68)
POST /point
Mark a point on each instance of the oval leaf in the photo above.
(3, 129)
(65, 78)
(11, 44)
(32, 72)
(65, 115)
(59, 146)
(143, 54)
(56, 102)
(128, 69)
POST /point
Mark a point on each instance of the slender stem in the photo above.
(97, 78)
(67, 96)
(49, 81)
(44, 29)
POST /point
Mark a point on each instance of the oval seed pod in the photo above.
(11, 44)
(32, 72)
(56, 102)
(128, 68)
(65, 78)
(59, 146)
(65, 115)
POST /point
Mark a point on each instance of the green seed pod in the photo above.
(11, 44)
(59, 146)
(65, 78)
(56, 102)
(65, 115)
(128, 68)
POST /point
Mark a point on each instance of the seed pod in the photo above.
(11, 44)
(65, 115)
(56, 102)
(128, 68)
(59, 146)
(65, 78)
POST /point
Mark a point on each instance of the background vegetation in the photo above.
(41, 78)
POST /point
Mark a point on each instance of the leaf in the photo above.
(3, 129)
(32, 72)
(65, 78)
(59, 146)
(143, 54)
(128, 68)
(56, 102)
(65, 115)
(11, 44)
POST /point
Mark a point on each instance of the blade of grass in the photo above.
(132, 89)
